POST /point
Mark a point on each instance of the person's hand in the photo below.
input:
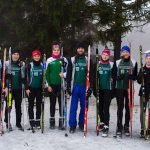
(5, 92)
(28, 92)
(50, 89)
(61, 75)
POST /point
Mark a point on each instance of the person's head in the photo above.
(105, 55)
(55, 49)
(36, 55)
(147, 59)
(80, 49)
(125, 52)
(15, 55)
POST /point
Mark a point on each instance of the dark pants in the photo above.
(104, 104)
(17, 96)
(36, 93)
(53, 95)
(122, 95)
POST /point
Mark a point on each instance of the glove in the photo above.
(69, 90)
(89, 92)
(120, 77)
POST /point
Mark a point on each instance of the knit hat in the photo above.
(106, 51)
(147, 53)
(15, 51)
(125, 48)
(36, 52)
(80, 45)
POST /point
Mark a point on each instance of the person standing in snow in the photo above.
(16, 77)
(144, 93)
(53, 77)
(122, 76)
(76, 74)
(34, 77)
(104, 73)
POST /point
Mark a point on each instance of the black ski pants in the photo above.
(122, 99)
(104, 104)
(35, 98)
(53, 95)
(17, 97)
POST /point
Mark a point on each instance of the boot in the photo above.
(52, 123)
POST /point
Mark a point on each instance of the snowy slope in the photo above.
(56, 140)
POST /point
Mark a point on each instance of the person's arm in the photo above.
(69, 75)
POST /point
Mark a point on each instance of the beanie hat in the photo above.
(36, 52)
(147, 53)
(106, 51)
(80, 45)
(15, 51)
(125, 48)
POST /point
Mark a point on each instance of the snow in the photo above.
(56, 140)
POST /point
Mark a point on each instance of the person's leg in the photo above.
(53, 96)
(107, 101)
(38, 106)
(73, 107)
(31, 99)
(120, 105)
(82, 99)
(101, 109)
(143, 106)
(17, 94)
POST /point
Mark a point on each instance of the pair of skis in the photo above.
(2, 94)
(9, 97)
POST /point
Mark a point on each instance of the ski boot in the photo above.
(142, 133)
(72, 129)
(19, 126)
(9, 127)
(37, 125)
(147, 134)
(118, 132)
(52, 123)
(105, 131)
(81, 127)
(61, 124)
(126, 131)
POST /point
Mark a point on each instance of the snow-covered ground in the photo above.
(56, 140)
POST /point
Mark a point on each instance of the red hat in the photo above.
(107, 51)
(36, 52)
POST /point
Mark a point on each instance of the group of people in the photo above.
(113, 78)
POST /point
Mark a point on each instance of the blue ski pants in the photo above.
(78, 94)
